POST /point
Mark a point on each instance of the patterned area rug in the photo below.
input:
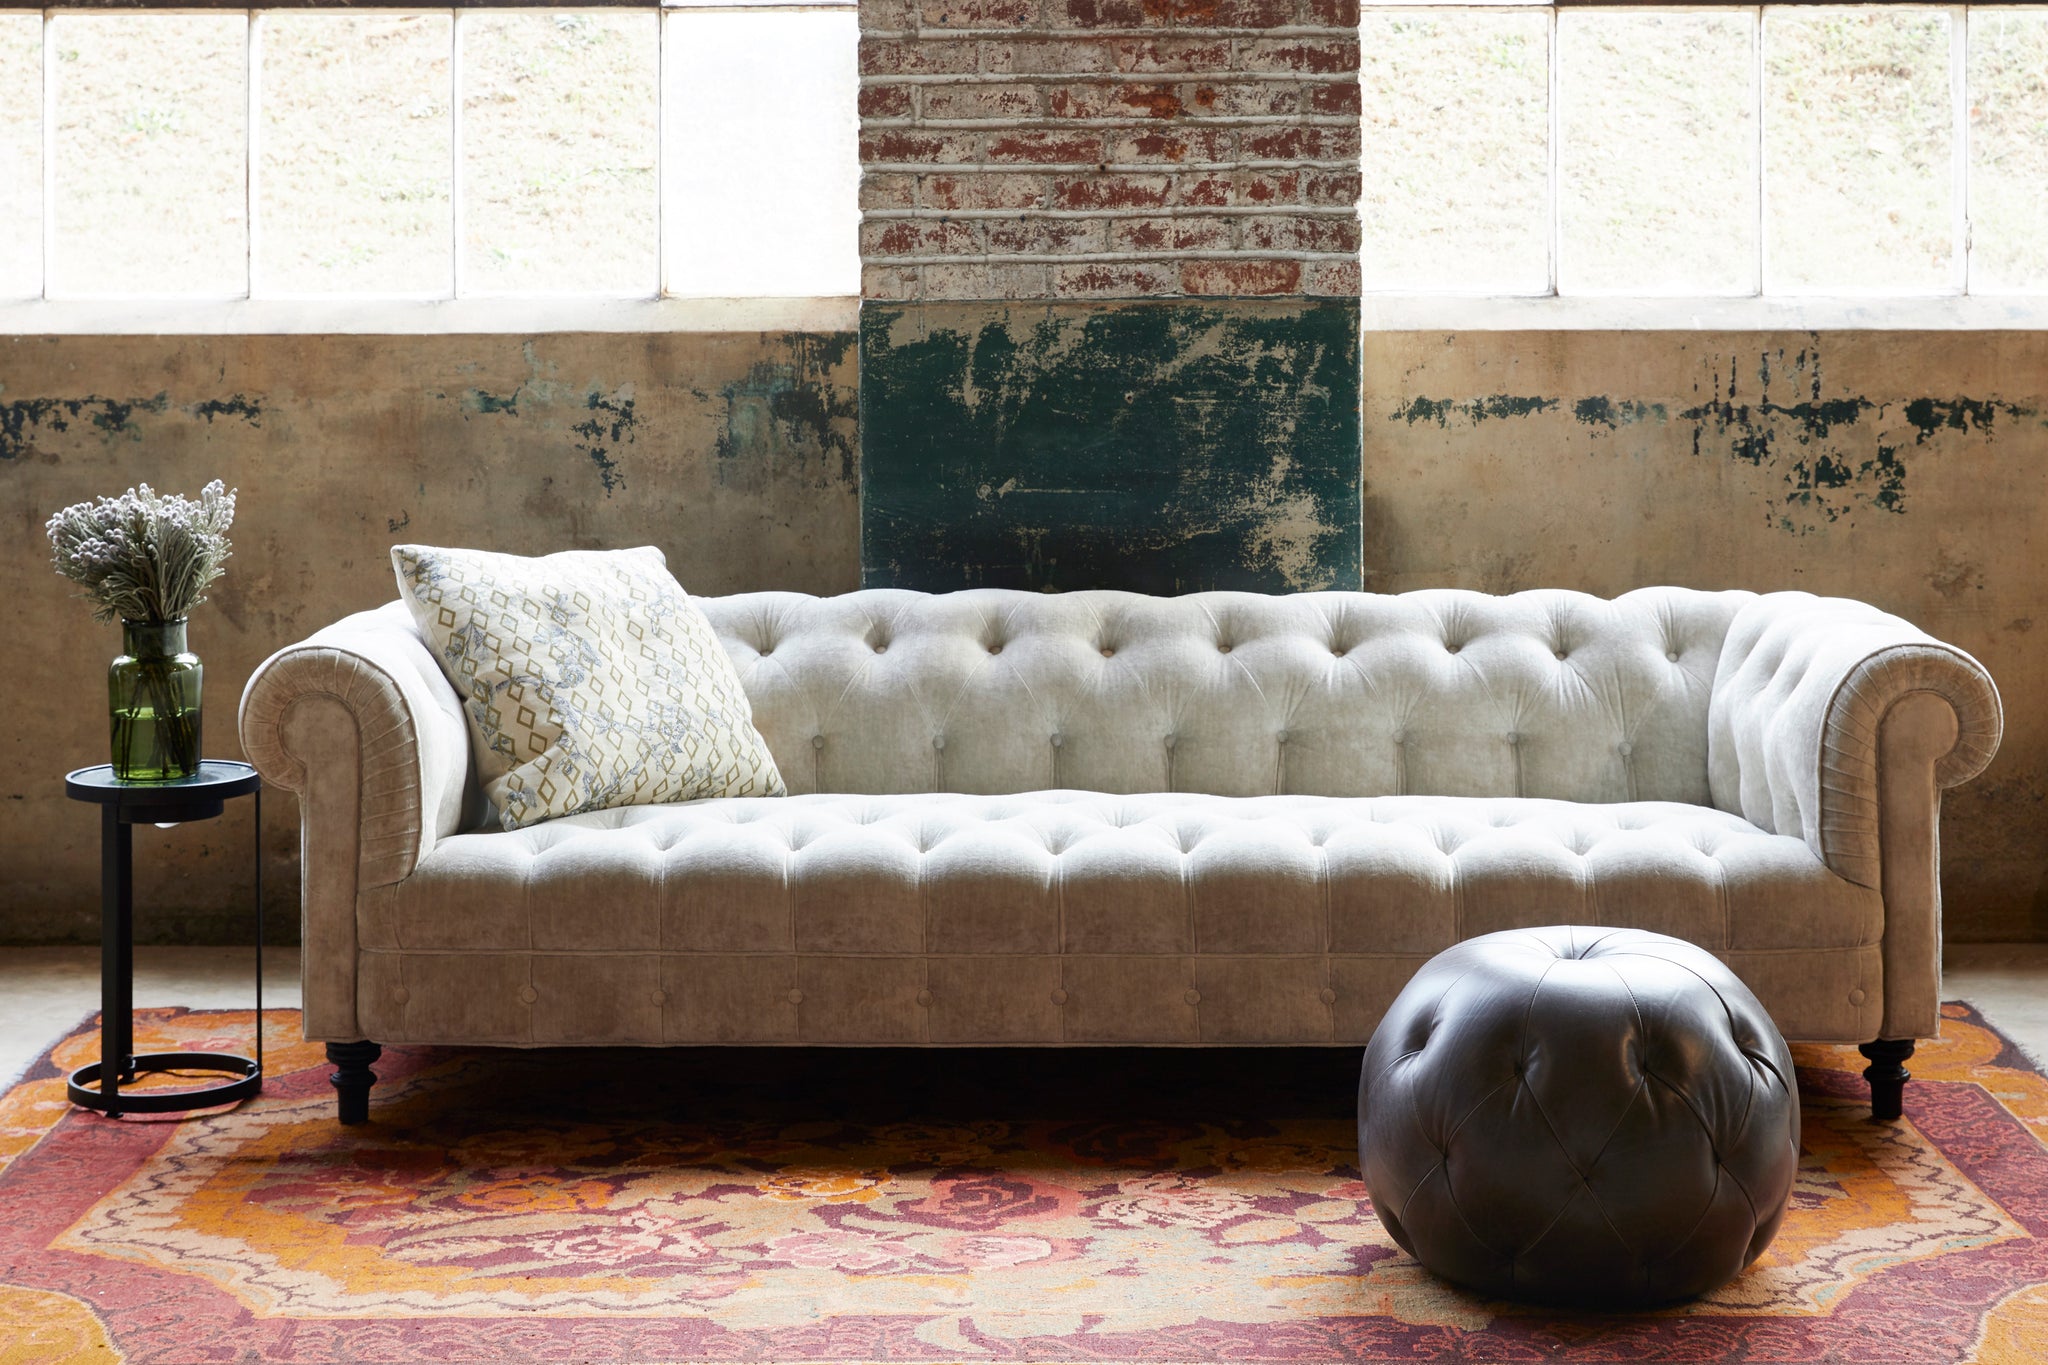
(928, 1206)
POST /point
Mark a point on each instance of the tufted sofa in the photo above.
(1101, 817)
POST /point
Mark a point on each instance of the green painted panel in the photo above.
(1162, 447)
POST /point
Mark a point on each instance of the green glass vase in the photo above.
(153, 703)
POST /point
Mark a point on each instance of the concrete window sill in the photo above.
(388, 317)
(1953, 313)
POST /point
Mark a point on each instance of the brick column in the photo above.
(1109, 329)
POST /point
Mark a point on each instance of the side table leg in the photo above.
(1887, 1075)
(117, 954)
(353, 1078)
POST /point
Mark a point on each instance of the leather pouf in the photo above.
(1579, 1115)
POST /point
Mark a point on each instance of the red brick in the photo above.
(910, 57)
(1254, 13)
(1038, 147)
(1119, 99)
(1255, 98)
(980, 101)
(980, 13)
(888, 282)
(1330, 13)
(1334, 97)
(983, 191)
(1266, 187)
(1046, 57)
(888, 16)
(1203, 191)
(1331, 279)
(1111, 192)
(1094, 13)
(919, 237)
(1278, 232)
(1046, 236)
(1170, 146)
(1138, 279)
(1299, 144)
(1199, 190)
(1323, 56)
(1331, 187)
(1186, 13)
(1240, 278)
(900, 145)
(888, 190)
(979, 280)
(1171, 54)
(1142, 236)
(885, 101)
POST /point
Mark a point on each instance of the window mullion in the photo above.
(252, 55)
(456, 207)
(1959, 141)
(1763, 179)
(1556, 124)
(49, 151)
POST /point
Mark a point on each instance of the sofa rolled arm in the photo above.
(360, 723)
(1803, 687)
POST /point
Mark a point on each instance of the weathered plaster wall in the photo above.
(1161, 447)
(735, 453)
(1907, 469)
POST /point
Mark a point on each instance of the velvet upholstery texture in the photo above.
(1106, 817)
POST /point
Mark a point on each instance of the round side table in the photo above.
(123, 805)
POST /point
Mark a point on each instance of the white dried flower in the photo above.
(144, 556)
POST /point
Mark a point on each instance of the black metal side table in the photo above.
(123, 805)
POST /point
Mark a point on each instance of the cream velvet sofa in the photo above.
(1101, 817)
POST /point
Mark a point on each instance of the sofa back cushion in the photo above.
(1444, 692)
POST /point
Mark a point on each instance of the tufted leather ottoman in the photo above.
(1579, 1115)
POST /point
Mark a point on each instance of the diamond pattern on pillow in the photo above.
(590, 680)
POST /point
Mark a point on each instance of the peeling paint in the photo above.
(1605, 412)
(1489, 407)
(611, 427)
(1930, 415)
(791, 416)
(21, 418)
(1160, 447)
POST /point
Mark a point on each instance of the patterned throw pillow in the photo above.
(590, 679)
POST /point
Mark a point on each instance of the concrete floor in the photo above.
(45, 991)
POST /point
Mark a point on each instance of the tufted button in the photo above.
(881, 649)
(1672, 655)
(658, 996)
(924, 998)
(1281, 736)
(995, 649)
(1856, 996)
(1108, 652)
(795, 997)
(1453, 646)
(1222, 648)
(1560, 653)
(1192, 996)
(1327, 996)
(1059, 997)
(817, 741)
(1514, 736)
(399, 995)
(766, 650)
(1624, 748)
(1171, 740)
(938, 741)
(528, 994)
(1337, 653)
(1399, 736)
(1058, 740)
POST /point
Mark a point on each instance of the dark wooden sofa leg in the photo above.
(353, 1078)
(1887, 1075)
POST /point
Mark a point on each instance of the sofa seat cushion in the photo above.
(1067, 872)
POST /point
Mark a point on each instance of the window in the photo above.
(624, 152)
(1836, 150)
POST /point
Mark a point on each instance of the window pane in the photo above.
(558, 152)
(21, 155)
(2008, 84)
(1457, 162)
(151, 154)
(763, 157)
(1858, 187)
(357, 174)
(1657, 153)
